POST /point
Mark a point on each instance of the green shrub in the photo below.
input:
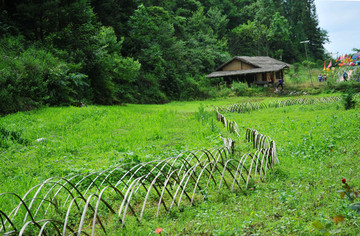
(33, 77)
(148, 90)
(349, 99)
(223, 91)
(190, 88)
(240, 89)
(296, 67)
(313, 90)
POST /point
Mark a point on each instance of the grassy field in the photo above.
(317, 145)
(49, 142)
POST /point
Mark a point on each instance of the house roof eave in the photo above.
(216, 74)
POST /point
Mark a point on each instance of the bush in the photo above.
(189, 88)
(224, 91)
(296, 67)
(148, 90)
(240, 89)
(33, 77)
(349, 99)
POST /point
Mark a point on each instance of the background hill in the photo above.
(114, 51)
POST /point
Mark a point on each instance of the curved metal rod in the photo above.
(148, 193)
(187, 181)
(198, 179)
(98, 203)
(257, 154)
(26, 207)
(250, 169)
(62, 186)
(139, 166)
(265, 158)
(185, 171)
(244, 158)
(49, 191)
(94, 180)
(163, 190)
(68, 214)
(150, 172)
(87, 204)
(223, 174)
(44, 225)
(53, 223)
(3, 223)
(128, 202)
(79, 182)
(180, 184)
(160, 173)
(14, 212)
(232, 175)
(112, 171)
(133, 183)
(219, 155)
(22, 231)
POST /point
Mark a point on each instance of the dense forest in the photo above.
(60, 52)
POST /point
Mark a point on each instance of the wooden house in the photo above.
(252, 70)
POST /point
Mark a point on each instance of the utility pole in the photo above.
(305, 43)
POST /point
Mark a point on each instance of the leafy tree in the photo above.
(266, 39)
(115, 13)
(33, 76)
(244, 39)
(302, 16)
(152, 40)
(203, 48)
(217, 21)
(121, 71)
(184, 8)
(278, 35)
(151, 50)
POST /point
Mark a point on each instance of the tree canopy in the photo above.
(141, 51)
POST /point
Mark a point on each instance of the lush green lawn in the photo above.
(318, 145)
(59, 141)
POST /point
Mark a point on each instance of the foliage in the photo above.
(122, 46)
(239, 88)
(34, 76)
(352, 194)
(242, 89)
(120, 72)
(308, 64)
(348, 99)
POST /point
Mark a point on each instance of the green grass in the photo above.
(61, 141)
(317, 145)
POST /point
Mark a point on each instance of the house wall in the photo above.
(267, 76)
(237, 65)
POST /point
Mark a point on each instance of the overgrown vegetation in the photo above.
(349, 99)
(126, 51)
